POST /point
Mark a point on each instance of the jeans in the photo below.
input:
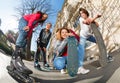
(65, 57)
(21, 39)
(91, 39)
(81, 48)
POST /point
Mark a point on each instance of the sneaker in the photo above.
(46, 65)
(37, 66)
(63, 71)
(82, 70)
(110, 58)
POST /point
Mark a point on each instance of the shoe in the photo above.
(82, 70)
(46, 65)
(37, 66)
(110, 58)
(63, 71)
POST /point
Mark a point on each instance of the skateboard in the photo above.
(72, 58)
(100, 43)
(20, 77)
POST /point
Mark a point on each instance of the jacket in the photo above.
(44, 38)
(32, 21)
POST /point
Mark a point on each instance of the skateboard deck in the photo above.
(19, 76)
(72, 59)
(101, 45)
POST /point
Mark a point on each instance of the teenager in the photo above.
(42, 43)
(26, 25)
(85, 34)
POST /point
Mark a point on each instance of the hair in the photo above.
(49, 23)
(84, 11)
(39, 20)
(38, 12)
(59, 34)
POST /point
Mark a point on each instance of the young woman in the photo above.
(26, 25)
(61, 45)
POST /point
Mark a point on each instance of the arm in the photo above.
(34, 19)
(90, 20)
(62, 46)
(40, 36)
(76, 36)
(48, 39)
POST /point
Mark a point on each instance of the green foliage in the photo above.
(7, 49)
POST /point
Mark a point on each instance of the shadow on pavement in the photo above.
(103, 74)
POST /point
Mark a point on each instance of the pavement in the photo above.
(108, 74)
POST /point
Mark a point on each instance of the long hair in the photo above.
(59, 34)
(40, 21)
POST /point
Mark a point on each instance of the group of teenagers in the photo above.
(28, 22)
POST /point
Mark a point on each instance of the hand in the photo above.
(57, 53)
(38, 48)
(26, 28)
(70, 34)
(44, 49)
(99, 15)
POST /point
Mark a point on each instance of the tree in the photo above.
(11, 36)
(0, 22)
(31, 6)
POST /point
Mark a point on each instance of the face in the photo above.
(44, 17)
(64, 33)
(48, 26)
(83, 15)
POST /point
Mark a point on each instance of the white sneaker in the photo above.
(82, 70)
(63, 71)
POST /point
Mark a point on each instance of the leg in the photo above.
(81, 53)
(64, 71)
(36, 58)
(81, 50)
(91, 39)
(20, 44)
(44, 58)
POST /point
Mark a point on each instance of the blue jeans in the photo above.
(91, 39)
(81, 48)
(21, 39)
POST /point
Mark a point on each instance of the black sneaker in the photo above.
(37, 66)
(110, 58)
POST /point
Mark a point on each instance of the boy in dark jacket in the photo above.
(42, 43)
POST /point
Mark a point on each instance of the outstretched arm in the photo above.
(90, 20)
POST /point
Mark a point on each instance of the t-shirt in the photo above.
(86, 30)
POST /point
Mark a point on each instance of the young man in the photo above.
(42, 43)
(26, 25)
(85, 34)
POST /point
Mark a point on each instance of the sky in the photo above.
(56, 6)
(7, 11)
(9, 22)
